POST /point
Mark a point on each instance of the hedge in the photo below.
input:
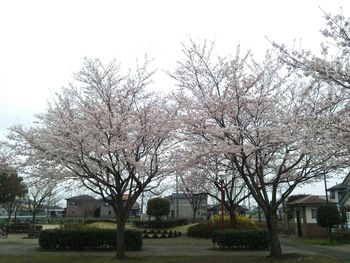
(160, 224)
(342, 236)
(241, 239)
(202, 230)
(22, 228)
(82, 239)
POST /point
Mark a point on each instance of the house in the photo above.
(106, 210)
(340, 194)
(180, 206)
(82, 206)
(305, 216)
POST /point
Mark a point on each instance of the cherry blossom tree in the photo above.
(261, 116)
(38, 195)
(190, 185)
(212, 175)
(107, 131)
(220, 175)
(330, 67)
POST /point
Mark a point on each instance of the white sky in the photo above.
(43, 42)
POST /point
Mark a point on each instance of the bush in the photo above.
(202, 230)
(205, 229)
(342, 236)
(158, 207)
(328, 216)
(18, 228)
(160, 224)
(241, 239)
(82, 239)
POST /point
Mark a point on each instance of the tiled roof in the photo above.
(309, 200)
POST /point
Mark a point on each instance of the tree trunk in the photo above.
(233, 218)
(330, 233)
(275, 245)
(8, 221)
(194, 217)
(120, 239)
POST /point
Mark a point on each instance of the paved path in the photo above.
(341, 251)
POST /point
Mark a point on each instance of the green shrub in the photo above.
(241, 239)
(160, 224)
(205, 229)
(82, 239)
(18, 228)
(342, 236)
(202, 230)
(158, 207)
(328, 216)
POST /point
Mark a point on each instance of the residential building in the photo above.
(340, 194)
(106, 210)
(86, 206)
(82, 206)
(180, 206)
(305, 216)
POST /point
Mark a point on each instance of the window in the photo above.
(313, 213)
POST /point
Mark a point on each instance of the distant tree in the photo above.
(37, 196)
(211, 175)
(158, 207)
(328, 216)
(12, 188)
(191, 186)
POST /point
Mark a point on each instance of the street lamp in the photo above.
(221, 177)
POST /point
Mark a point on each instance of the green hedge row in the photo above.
(82, 239)
(202, 230)
(160, 224)
(241, 239)
(342, 236)
(23, 228)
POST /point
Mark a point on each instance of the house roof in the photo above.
(310, 200)
(338, 187)
(343, 186)
(184, 196)
(125, 197)
(81, 197)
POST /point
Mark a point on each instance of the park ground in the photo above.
(19, 249)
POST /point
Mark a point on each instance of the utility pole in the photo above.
(177, 196)
(325, 186)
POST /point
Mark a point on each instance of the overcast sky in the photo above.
(43, 42)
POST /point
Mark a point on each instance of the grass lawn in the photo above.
(319, 242)
(197, 259)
